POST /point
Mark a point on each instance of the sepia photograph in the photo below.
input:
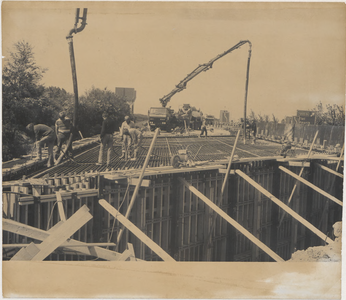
(173, 149)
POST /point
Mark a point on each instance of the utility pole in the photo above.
(246, 89)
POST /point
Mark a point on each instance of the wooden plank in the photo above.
(132, 252)
(60, 235)
(62, 245)
(285, 207)
(27, 253)
(304, 164)
(39, 234)
(134, 195)
(300, 174)
(135, 181)
(64, 195)
(136, 231)
(224, 171)
(235, 224)
(60, 206)
(229, 165)
(329, 170)
(309, 184)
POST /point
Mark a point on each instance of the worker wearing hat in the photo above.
(43, 135)
(106, 137)
(62, 131)
(125, 137)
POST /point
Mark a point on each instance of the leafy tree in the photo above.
(331, 114)
(21, 93)
(94, 103)
(56, 100)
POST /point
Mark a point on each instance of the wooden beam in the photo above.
(234, 223)
(27, 253)
(341, 156)
(132, 252)
(223, 171)
(309, 184)
(135, 181)
(39, 234)
(60, 206)
(61, 234)
(64, 195)
(229, 164)
(285, 207)
(136, 231)
(63, 245)
(303, 164)
(135, 192)
(329, 170)
(300, 174)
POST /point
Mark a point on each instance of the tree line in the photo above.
(329, 114)
(26, 100)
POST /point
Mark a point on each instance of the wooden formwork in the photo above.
(175, 219)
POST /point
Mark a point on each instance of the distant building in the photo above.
(128, 95)
(306, 116)
(224, 116)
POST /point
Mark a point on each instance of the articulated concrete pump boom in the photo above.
(201, 68)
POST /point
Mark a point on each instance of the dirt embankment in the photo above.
(330, 252)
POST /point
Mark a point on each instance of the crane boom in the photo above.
(204, 67)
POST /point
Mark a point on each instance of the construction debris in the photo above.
(328, 253)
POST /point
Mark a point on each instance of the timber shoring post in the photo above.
(275, 209)
(219, 211)
(331, 187)
(134, 195)
(309, 184)
(136, 231)
(232, 212)
(285, 207)
(309, 237)
(246, 88)
(300, 174)
(294, 223)
(229, 166)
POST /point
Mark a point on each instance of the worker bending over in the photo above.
(43, 135)
(134, 142)
(285, 148)
(125, 137)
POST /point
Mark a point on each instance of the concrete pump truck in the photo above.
(165, 118)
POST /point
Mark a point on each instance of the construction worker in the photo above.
(106, 137)
(253, 131)
(285, 147)
(204, 128)
(136, 141)
(125, 137)
(43, 135)
(63, 128)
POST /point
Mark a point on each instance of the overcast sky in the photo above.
(298, 53)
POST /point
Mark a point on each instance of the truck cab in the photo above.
(160, 117)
